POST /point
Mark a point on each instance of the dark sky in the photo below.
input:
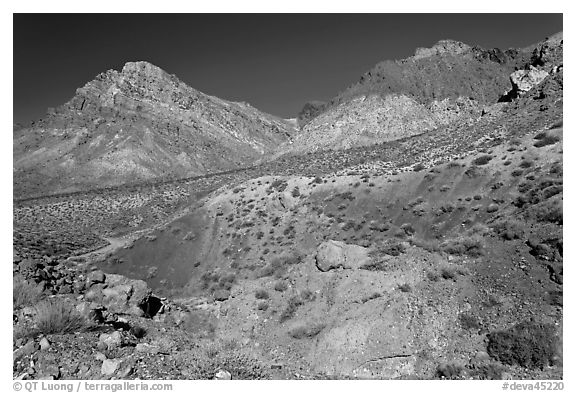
(276, 62)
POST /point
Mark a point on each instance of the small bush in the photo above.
(482, 160)
(57, 316)
(448, 273)
(464, 245)
(405, 288)
(418, 167)
(261, 294)
(448, 371)
(545, 139)
(306, 331)
(469, 322)
(293, 303)
(25, 293)
(280, 286)
(527, 344)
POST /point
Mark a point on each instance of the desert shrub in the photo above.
(280, 286)
(463, 245)
(449, 371)
(293, 303)
(549, 192)
(469, 322)
(517, 172)
(261, 294)
(408, 228)
(482, 160)
(432, 275)
(528, 344)
(306, 331)
(279, 185)
(508, 230)
(547, 211)
(526, 164)
(389, 247)
(418, 167)
(278, 266)
(57, 316)
(545, 139)
(448, 273)
(262, 306)
(204, 363)
(428, 245)
(490, 371)
(405, 287)
(25, 293)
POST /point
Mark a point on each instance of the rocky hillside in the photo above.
(437, 255)
(138, 124)
(450, 82)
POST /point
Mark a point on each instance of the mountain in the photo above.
(449, 82)
(139, 124)
(433, 256)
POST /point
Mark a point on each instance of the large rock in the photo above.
(110, 366)
(336, 254)
(122, 295)
(524, 80)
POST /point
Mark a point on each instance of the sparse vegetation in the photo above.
(25, 293)
(527, 344)
(306, 331)
(482, 160)
(463, 245)
(57, 316)
(469, 322)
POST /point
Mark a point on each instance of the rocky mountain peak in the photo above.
(441, 47)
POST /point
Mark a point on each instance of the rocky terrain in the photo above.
(134, 125)
(451, 82)
(393, 254)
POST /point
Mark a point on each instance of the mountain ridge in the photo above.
(138, 124)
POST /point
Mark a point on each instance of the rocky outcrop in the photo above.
(336, 254)
(524, 80)
(546, 60)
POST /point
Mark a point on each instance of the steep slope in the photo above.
(138, 124)
(450, 82)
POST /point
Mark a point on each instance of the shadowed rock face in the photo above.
(138, 124)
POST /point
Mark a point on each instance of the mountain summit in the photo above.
(138, 124)
(451, 83)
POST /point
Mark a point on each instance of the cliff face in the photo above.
(139, 124)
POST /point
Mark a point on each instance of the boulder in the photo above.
(110, 366)
(96, 277)
(223, 375)
(336, 254)
(44, 344)
(524, 80)
(112, 340)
